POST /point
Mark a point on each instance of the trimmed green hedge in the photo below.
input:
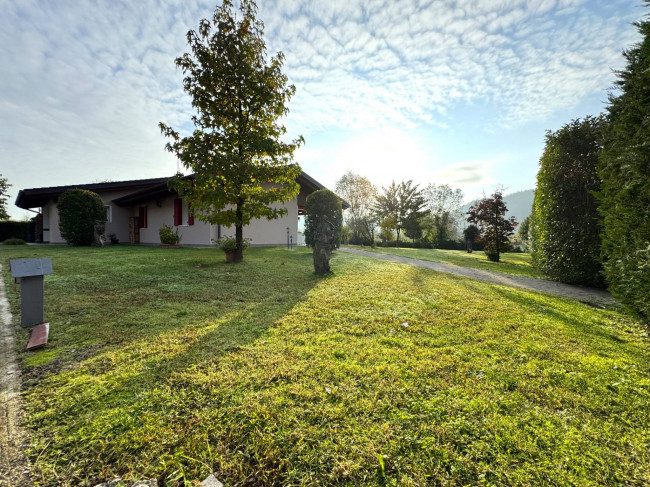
(566, 223)
(11, 229)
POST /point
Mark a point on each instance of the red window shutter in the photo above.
(146, 217)
(190, 215)
(178, 211)
(141, 217)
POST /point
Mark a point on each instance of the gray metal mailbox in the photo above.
(29, 274)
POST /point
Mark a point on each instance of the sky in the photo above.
(457, 92)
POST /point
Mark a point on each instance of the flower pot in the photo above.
(230, 256)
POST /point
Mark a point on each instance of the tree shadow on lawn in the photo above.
(601, 338)
(114, 394)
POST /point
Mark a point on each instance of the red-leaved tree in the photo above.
(489, 215)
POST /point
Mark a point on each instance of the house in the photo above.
(136, 209)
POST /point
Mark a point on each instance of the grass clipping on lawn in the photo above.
(171, 364)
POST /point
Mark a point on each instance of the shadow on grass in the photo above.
(224, 309)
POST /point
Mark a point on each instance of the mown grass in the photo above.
(510, 263)
(381, 374)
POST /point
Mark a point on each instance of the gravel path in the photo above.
(595, 297)
(14, 468)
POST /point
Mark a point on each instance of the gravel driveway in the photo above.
(595, 297)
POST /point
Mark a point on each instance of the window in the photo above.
(109, 213)
(142, 217)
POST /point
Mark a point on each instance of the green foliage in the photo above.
(413, 226)
(14, 241)
(624, 167)
(4, 194)
(322, 204)
(566, 241)
(229, 244)
(168, 236)
(12, 229)
(239, 162)
(269, 375)
(399, 202)
(360, 217)
(444, 205)
(79, 211)
(471, 233)
(489, 214)
(523, 233)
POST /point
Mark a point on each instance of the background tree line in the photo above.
(431, 216)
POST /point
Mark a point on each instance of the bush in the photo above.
(229, 244)
(168, 236)
(11, 229)
(566, 224)
(322, 204)
(79, 212)
(14, 241)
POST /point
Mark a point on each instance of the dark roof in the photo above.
(37, 197)
(144, 190)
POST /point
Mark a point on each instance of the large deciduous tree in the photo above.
(489, 215)
(445, 207)
(398, 203)
(566, 240)
(360, 194)
(624, 167)
(4, 194)
(240, 164)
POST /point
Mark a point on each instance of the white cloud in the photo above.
(85, 84)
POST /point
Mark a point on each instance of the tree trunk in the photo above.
(239, 235)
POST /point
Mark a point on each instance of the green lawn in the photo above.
(269, 375)
(518, 264)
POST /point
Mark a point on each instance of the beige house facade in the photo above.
(136, 209)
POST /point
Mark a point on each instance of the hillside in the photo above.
(519, 204)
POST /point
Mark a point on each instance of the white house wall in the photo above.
(157, 216)
(119, 224)
(260, 232)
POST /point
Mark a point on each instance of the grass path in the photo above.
(593, 296)
(171, 364)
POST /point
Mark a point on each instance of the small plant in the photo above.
(229, 244)
(14, 241)
(168, 236)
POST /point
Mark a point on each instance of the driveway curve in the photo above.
(594, 297)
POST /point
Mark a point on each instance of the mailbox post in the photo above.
(29, 274)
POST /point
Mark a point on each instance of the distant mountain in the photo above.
(519, 204)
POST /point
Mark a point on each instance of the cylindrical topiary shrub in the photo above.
(79, 212)
(323, 226)
(322, 204)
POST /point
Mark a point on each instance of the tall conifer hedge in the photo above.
(624, 167)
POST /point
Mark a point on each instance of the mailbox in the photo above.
(29, 274)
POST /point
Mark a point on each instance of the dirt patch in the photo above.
(14, 466)
(598, 298)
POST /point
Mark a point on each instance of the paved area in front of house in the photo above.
(592, 296)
